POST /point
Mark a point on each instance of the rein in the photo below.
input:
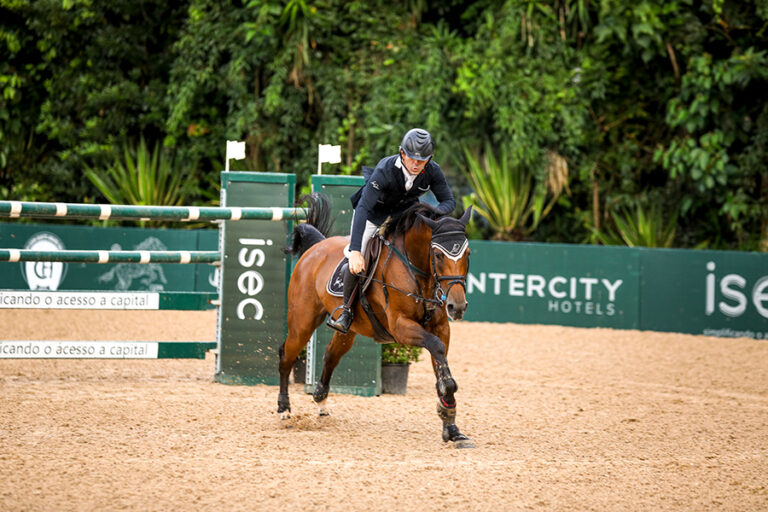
(440, 294)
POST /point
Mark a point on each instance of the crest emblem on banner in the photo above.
(43, 275)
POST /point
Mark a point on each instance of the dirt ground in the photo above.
(563, 418)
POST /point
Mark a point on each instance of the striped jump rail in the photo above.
(19, 209)
(144, 257)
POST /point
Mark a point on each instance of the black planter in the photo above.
(394, 378)
(300, 371)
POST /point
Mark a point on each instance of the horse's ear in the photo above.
(467, 214)
(429, 222)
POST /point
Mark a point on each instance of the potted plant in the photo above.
(395, 361)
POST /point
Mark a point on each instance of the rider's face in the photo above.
(413, 166)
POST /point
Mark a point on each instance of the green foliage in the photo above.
(143, 177)
(80, 77)
(394, 353)
(507, 195)
(641, 228)
(654, 101)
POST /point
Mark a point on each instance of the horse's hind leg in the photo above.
(339, 345)
(300, 329)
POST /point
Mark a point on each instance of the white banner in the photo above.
(12, 299)
(78, 350)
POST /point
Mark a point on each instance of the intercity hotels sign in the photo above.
(553, 284)
(715, 293)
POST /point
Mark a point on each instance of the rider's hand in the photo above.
(356, 262)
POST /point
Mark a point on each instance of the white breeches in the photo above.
(370, 230)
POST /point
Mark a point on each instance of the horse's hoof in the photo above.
(320, 394)
(283, 405)
(322, 409)
(459, 441)
(285, 415)
(463, 443)
(451, 433)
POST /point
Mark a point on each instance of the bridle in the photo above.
(443, 283)
(456, 252)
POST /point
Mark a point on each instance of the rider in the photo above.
(396, 183)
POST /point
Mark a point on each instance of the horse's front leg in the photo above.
(445, 383)
(339, 345)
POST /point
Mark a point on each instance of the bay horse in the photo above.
(418, 282)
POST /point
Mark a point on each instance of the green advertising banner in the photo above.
(555, 284)
(154, 277)
(254, 273)
(359, 371)
(715, 293)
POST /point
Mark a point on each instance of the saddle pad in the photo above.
(335, 284)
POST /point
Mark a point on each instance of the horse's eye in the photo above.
(439, 256)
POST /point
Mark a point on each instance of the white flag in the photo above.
(235, 150)
(328, 153)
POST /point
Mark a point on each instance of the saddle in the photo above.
(335, 286)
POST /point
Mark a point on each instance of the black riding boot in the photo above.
(342, 323)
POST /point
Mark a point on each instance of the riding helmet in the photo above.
(418, 145)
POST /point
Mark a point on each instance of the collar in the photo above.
(409, 178)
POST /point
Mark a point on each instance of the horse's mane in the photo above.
(400, 224)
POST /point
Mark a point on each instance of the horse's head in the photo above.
(449, 257)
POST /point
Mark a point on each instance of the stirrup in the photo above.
(344, 321)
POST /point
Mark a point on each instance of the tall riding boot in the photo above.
(342, 323)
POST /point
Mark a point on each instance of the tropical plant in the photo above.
(142, 177)
(640, 228)
(394, 353)
(509, 196)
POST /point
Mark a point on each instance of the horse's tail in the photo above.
(315, 229)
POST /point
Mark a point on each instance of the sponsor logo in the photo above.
(150, 276)
(43, 275)
(568, 295)
(736, 294)
(251, 282)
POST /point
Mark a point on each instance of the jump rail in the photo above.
(183, 257)
(276, 188)
(17, 209)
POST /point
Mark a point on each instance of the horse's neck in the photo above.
(416, 247)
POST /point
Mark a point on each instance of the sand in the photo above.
(563, 419)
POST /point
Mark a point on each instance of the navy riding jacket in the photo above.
(384, 194)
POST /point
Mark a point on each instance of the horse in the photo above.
(417, 284)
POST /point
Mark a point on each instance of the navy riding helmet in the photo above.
(418, 145)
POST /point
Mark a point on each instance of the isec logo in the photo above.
(43, 275)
